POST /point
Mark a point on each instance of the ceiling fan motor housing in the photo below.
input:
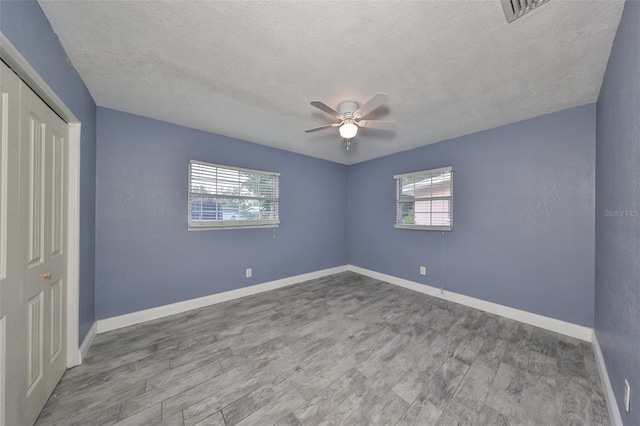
(348, 107)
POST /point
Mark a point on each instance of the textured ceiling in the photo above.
(248, 70)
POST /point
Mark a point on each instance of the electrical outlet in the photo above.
(627, 395)
(423, 270)
(248, 273)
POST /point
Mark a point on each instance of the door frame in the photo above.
(28, 74)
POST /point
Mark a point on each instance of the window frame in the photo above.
(230, 224)
(398, 202)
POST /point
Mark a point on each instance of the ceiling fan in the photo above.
(350, 117)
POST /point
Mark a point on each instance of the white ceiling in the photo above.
(248, 70)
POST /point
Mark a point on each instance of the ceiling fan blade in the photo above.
(326, 126)
(324, 107)
(376, 124)
(374, 103)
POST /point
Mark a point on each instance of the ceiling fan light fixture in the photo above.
(348, 129)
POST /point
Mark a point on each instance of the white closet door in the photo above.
(12, 346)
(35, 305)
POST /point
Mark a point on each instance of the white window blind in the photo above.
(424, 200)
(231, 197)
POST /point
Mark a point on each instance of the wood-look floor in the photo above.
(344, 349)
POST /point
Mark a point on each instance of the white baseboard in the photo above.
(552, 324)
(134, 318)
(88, 341)
(612, 405)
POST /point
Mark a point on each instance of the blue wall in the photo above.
(617, 285)
(146, 257)
(26, 26)
(523, 230)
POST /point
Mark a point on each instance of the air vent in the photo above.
(513, 9)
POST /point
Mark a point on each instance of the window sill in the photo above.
(424, 228)
(233, 225)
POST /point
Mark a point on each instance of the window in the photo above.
(230, 197)
(424, 200)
